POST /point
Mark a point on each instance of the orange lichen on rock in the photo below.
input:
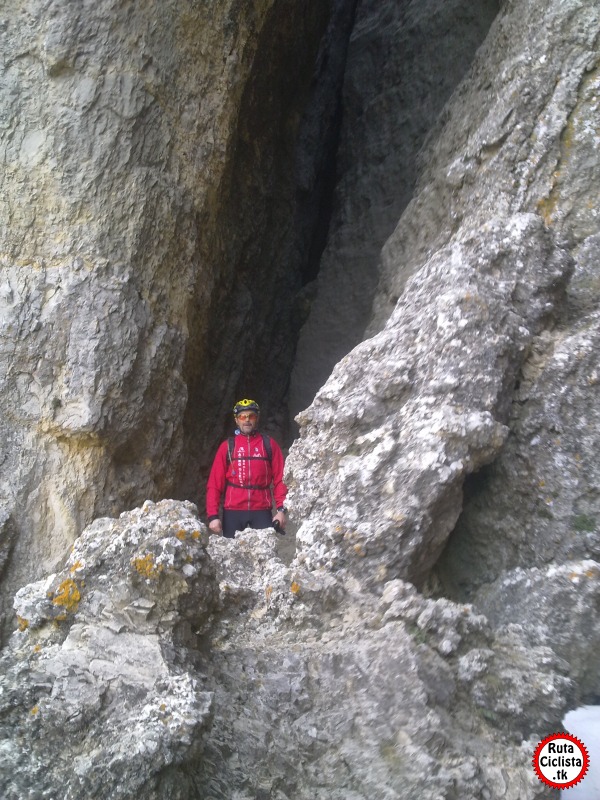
(67, 595)
(23, 623)
(295, 588)
(181, 535)
(145, 566)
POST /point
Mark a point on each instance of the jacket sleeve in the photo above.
(277, 464)
(215, 486)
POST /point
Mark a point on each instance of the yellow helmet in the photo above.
(245, 405)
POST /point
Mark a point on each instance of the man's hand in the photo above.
(280, 517)
(215, 526)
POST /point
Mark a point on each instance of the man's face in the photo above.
(247, 421)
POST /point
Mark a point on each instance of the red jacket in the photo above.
(246, 481)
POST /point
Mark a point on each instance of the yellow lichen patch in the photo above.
(546, 207)
(196, 535)
(145, 566)
(67, 595)
(295, 588)
(35, 710)
(268, 592)
(23, 623)
(77, 565)
(181, 535)
(360, 550)
(37, 648)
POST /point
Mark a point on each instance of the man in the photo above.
(243, 472)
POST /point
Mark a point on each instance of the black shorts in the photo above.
(239, 520)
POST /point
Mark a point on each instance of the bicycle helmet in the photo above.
(245, 405)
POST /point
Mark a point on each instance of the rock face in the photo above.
(93, 699)
(441, 390)
(149, 667)
(408, 56)
(414, 409)
(438, 616)
(322, 689)
(134, 140)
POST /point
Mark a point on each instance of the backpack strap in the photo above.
(268, 449)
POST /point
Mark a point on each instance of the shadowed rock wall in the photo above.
(464, 426)
(147, 151)
(404, 60)
(487, 319)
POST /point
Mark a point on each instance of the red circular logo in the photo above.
(561, 760)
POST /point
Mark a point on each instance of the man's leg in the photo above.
(234, 521)
(261, 519)
(239, 520)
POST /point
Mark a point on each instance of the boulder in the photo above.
(94, 700)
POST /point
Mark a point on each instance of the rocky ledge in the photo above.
(94, 701)
(161, 663)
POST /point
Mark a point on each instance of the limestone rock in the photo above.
(143, 187)
(7, 535)
(509, 139)
(158, 663)
(323, 691)
(93, 699)
(536, 504)
(405, 56)
(147, 153)
(555, 606)
(412, 411)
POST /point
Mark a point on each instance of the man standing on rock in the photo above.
(247, 474)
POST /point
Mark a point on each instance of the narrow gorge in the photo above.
(379, 218)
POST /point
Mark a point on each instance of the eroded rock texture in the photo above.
(325, 690)
(489, 353)
(439, 613)
(94, 700)
(404, 60)
(417, 407)
(155, 666)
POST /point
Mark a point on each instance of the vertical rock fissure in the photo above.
(404, 61)
(319, 140)
(243, 333)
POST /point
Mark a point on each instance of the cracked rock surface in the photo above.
(94, 700)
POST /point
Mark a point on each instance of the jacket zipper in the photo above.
(249, 472)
